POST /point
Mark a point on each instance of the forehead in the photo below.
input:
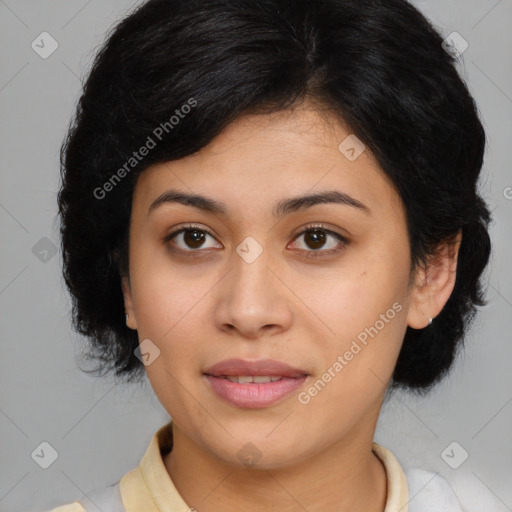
(264, 158)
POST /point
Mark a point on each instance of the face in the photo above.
(255, 273)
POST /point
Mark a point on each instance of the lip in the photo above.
(254, 395)
(233, 367)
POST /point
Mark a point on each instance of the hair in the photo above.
(178, 72)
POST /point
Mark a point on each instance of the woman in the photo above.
(270, 209)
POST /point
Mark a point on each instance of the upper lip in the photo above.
(237, 367)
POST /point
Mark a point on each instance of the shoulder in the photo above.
(104, 500)
(430, 492)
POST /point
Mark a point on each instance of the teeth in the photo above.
(265, 378)
(258, 379)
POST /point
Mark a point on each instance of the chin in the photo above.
(255, 449)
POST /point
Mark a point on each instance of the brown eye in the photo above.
(190, 240)
(318, 241)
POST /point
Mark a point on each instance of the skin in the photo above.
(201, 308)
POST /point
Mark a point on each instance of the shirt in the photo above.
(149, 488)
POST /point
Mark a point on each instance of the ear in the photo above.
(434, 285)
(131, 321)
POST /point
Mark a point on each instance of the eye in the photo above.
(189, 239)
(319, 241)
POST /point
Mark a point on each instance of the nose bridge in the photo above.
(251, 277)
(251, 296)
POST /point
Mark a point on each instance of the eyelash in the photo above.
(311, 253)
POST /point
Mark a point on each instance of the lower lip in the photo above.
(253, 395)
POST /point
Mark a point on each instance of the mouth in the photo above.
(253, 384)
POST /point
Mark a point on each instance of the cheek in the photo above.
(357, 368)
(164, 312)
(171, 309)
(363, 305)
(168, 311)
(162, 294)
(351, 297)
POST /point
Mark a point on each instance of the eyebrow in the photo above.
(281, 208)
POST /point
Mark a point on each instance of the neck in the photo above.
(347, 476)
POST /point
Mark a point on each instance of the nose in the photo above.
(252, 300)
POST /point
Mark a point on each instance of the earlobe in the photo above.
(435, 284)
(131, 321)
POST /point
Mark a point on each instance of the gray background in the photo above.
(101, 429)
